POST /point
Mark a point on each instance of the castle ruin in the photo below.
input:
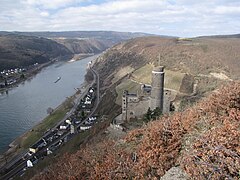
(154, 96)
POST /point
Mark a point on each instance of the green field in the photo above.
(173, 80)
(144, 74)
(49, 122)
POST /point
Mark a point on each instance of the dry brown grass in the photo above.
(204, 140)
(198, 57)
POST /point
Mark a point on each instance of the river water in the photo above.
(26, 105)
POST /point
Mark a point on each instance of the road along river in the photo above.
(26, 105)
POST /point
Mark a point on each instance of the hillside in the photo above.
(205, 62)
(111, 36)
(21, 51)
(78, 46)
(195, 56)
(203, 140)
(224, 36)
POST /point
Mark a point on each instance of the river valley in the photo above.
(26, 105)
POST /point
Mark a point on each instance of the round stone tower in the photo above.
(157, 88)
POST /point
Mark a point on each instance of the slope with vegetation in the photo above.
(211, 61)
(21, 51)
(77, 46)
(194, 67)
(202, 140)
(112, 36)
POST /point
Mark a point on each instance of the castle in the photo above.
(154, 96)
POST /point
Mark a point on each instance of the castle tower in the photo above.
(124, 105)
(156, 99)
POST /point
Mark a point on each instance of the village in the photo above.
(13, 76)
(81, 119)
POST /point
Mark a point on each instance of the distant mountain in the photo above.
(20, 51)
(25, 48)
(111, 36)
(222, 36)
(78, 46)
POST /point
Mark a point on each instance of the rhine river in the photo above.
(26, 105)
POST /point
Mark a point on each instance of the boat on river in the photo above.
(58, 79)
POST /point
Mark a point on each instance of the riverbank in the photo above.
(22, 143)
(78, 57)
(34, 71)
(27, 76)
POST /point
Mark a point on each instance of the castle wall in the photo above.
(128, 102)
(137, 109)
(166, 101)
(187, 84)
(134, 106)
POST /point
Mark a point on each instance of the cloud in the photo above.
(168, 17)
(44, 14)
(227, 10)
(51, 4)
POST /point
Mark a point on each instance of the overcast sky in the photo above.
(184, 18)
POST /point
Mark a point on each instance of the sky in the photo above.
(183, 18)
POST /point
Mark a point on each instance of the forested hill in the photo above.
(21, 51)
(78, 46)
